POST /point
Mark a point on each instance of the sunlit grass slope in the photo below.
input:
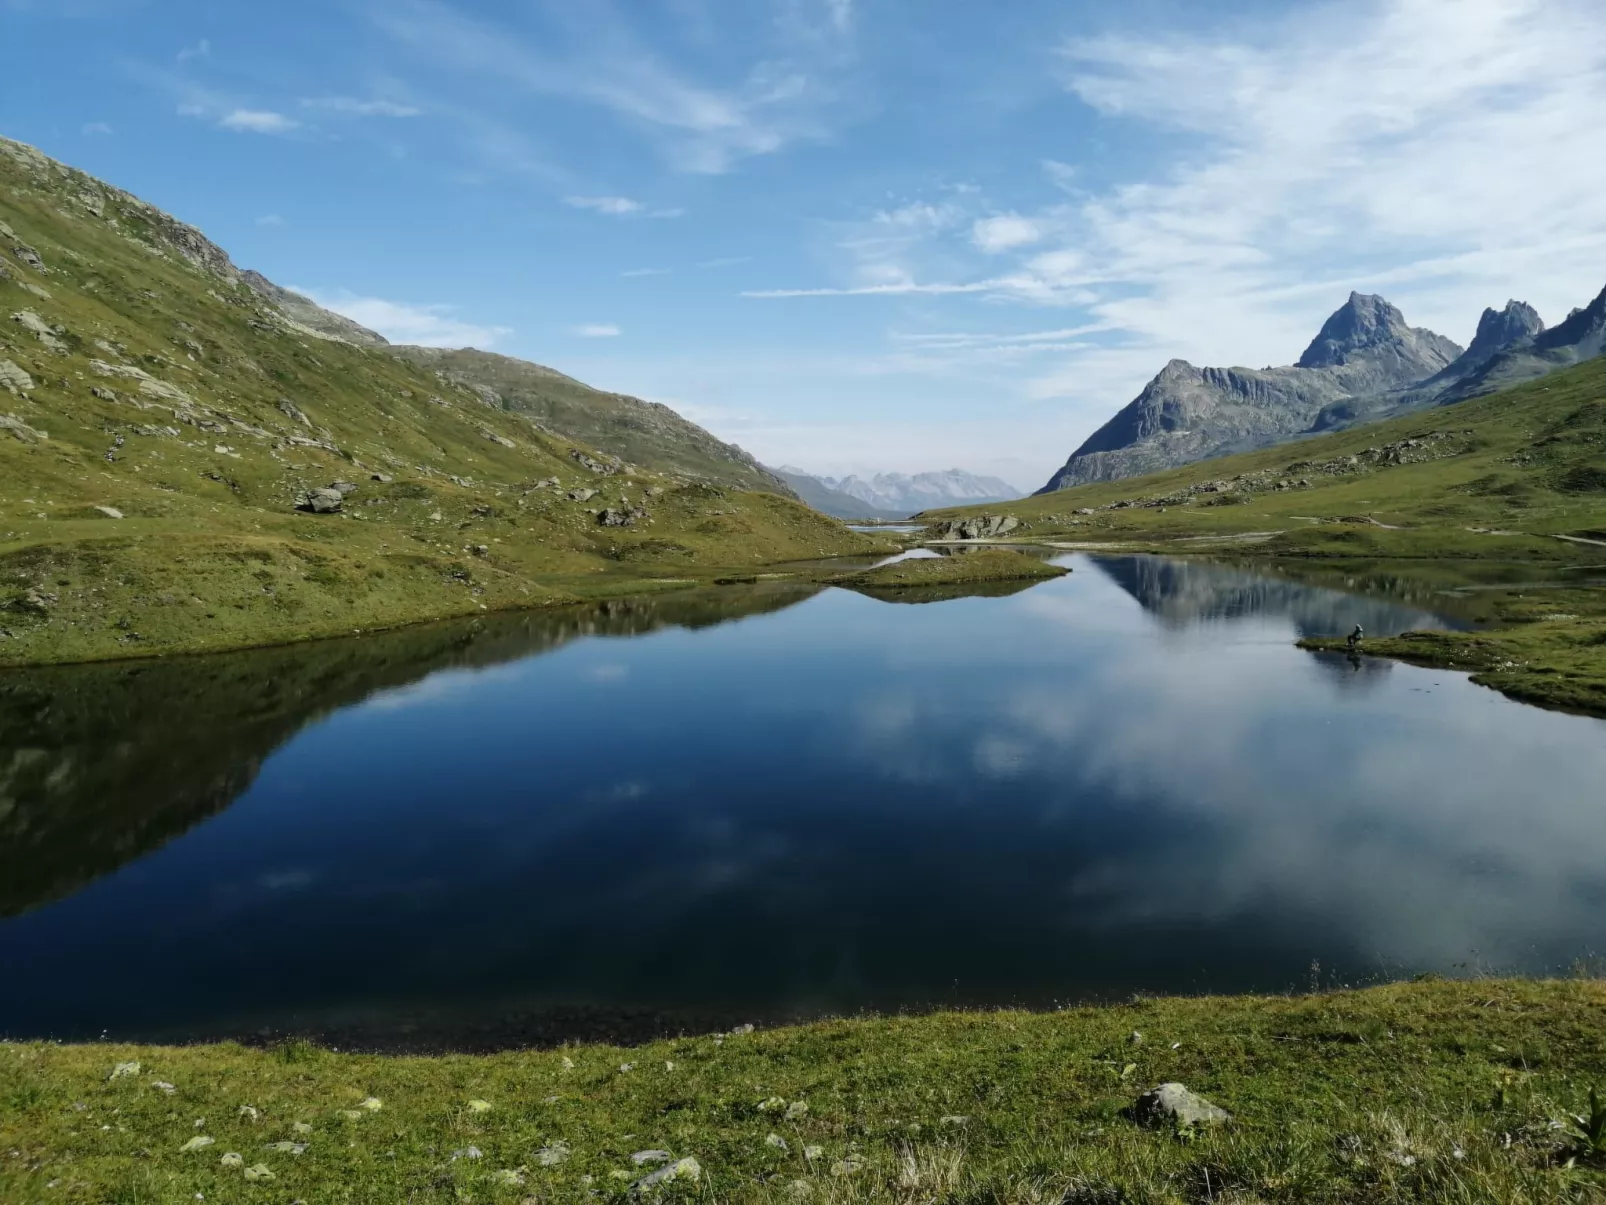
(159, 422)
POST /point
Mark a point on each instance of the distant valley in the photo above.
(894, 495)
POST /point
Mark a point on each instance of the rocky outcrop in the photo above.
(321, 502)
(976, 527)
(1188, 413)
(305, 312)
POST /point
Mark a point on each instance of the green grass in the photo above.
(210, 552)
(1426, 1092)
(980, 565)
(1514, 478)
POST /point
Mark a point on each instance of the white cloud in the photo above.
(400, 322)
(1005, 232)
(270, 219)
(840, 13)
(201, 50)
(1426, 149)
(614, 206)
(635, 272)
(361, 108)
(901, 288)
(96, 129)
(603, 60)
(596, 330)
(257, 121)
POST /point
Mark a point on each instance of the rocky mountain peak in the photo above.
(1500, 329)
(1364, 321)
(1584, 328)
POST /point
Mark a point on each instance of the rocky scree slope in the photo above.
(164, 426)
(1367, 364)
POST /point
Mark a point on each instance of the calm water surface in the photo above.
(774, 802)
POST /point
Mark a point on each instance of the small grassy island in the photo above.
(1429, 1091)
(980, 565)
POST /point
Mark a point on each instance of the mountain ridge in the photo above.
(1366, 364)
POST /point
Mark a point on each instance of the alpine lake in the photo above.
(767, 802)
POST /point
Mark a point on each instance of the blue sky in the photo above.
(854, 234)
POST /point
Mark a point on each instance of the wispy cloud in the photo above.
(634, 272)
(270, 219)
(596, 330)
(727, 261)
(353, 107)
(1005, 232)
(594, 55)
(97, 129)
(201, 50)
(614, 206)
(401, 322)
(901, 288)
(257, 121)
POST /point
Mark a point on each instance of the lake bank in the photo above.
(1413, 1092)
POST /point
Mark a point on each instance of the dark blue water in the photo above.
(777, 804)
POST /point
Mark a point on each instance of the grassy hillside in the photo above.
(1517, 476)
(1429, 1092)
(641, 432)
(160, 421)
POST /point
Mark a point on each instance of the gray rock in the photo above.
(27, 255)
(1176, 1104)
(611, 517)
(321, 502)
(499, 439)
(642, 1158)
(13, 378)
(977, 527)
(607, 467)
(293, 411)
(382, 478)
(582, 495)
(21, 430)
(687, 1169)
(343, 487)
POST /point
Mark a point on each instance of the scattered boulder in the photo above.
(611, 517)
(643, 1158)
(382, 478)
(499, 439)
(1175, 1104)
(977, 527)
(343, 487)
(111, 512)
(605, 467)
(20, 429)
(27, 255)
(13, 378)
(321, 502)
(687, 1169)
(582, 495)
(294, 412)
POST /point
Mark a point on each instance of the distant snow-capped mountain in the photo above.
(895, 495)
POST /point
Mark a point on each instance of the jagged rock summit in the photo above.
(1366, 363)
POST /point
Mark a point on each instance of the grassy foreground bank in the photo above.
(1433, 1091)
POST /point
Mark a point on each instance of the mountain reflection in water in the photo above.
(764, 803)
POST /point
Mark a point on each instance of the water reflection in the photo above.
(1124, 779)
